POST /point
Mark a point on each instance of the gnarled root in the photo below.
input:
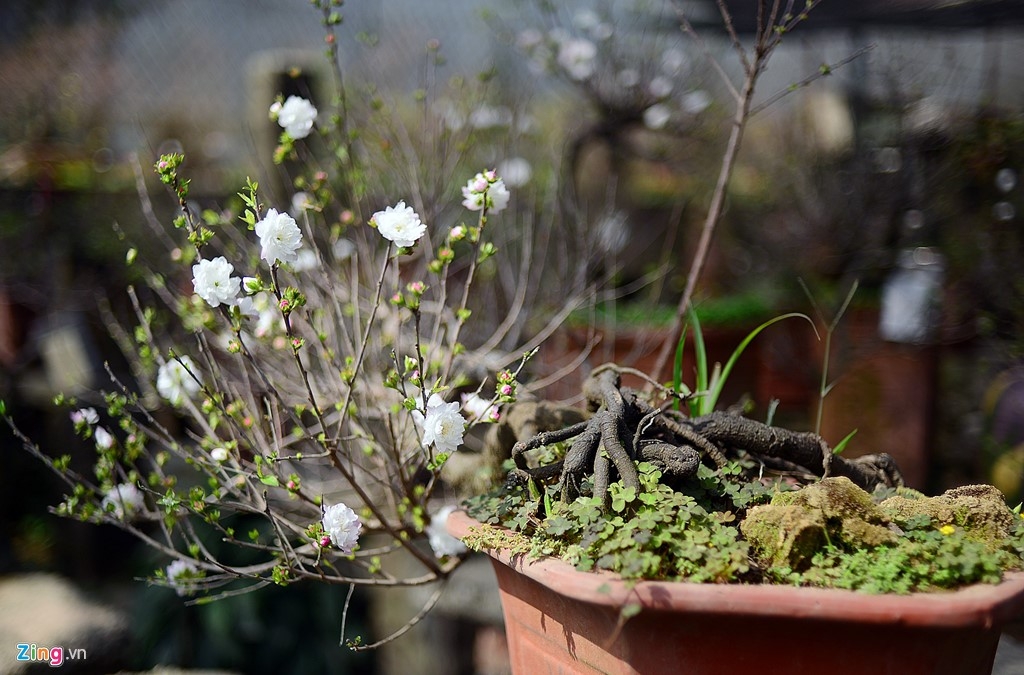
(625, 429)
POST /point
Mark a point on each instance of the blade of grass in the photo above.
(713, 394)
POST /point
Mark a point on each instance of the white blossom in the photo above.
(486, 117)
(342, 525)
(442, 543)
(442, 424)
(103, 438)
(343, 249)
(498, 195)
(213, 282)
(280, 237)
(515, 171)
(123, 500)
(219, 454)
(696, 102)
(578, 57)
(400, 224)
(300, 202)
(296, 116)
(176, 380)
(181, 575)
(85, 416)
(480, 408)
(1006, 179)
(485, 189)
(305, 260)
(528, 39)
(247, 307)
(660, 86)
(269, 316)
(657, 116)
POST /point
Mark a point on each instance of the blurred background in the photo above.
(899, 171)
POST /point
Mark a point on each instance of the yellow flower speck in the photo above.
(947, 529)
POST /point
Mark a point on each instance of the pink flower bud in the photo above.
(325, 541)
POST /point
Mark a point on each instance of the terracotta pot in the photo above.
(559, 620)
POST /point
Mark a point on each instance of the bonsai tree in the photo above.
(310, 364)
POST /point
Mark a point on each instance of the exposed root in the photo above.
(625, 429)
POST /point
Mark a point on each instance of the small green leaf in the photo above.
(270, 480)
(841, 445)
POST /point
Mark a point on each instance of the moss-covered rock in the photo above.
(795, 525)
(980, 510)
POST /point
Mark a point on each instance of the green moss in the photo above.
(832, 534)
(979, 510)
(785, 535)
(797, 524)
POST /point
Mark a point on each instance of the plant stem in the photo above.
(711, 221)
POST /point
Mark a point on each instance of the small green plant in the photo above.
(697, 533)
(708, 385)
(652, 533)
(927, 557)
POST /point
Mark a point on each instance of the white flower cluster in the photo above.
(442, 424)
(88, 417)
(124, 501)
(442, 543)
(280, 237)
(400, 224)
(485, 190)
(213, 282)
(296, 116)
(177, 379)
(480, 408)
(343, 527)
(85, 416)
(578, 56)
(181, 575)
